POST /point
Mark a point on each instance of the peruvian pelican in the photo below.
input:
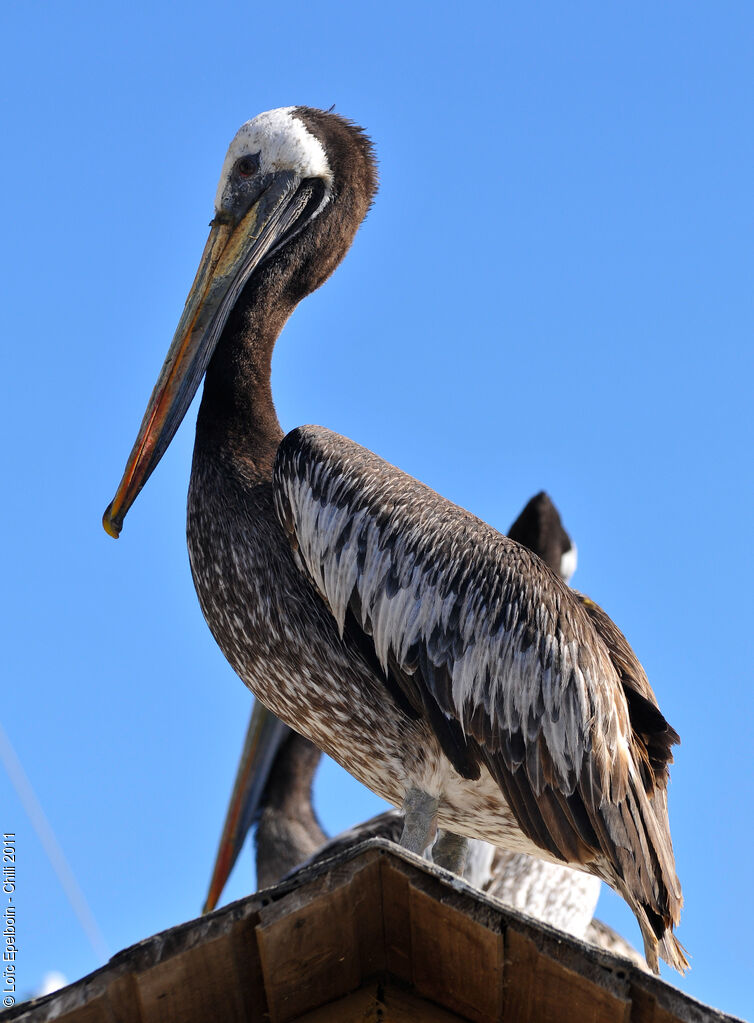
(441, 663)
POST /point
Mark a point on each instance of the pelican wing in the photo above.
(483, 637)
(654, 736)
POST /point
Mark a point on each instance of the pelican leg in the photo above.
(419, 821)
(450, 851)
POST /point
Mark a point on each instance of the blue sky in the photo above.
(553, 290)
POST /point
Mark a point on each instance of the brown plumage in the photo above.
(430, 656)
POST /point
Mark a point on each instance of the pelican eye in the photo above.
(247, 166)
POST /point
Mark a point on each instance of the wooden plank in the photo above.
(122, 997)
(363, 879)
(538, 989)
(646, 1008)
(395, 909)
(643, 1007)
(381, 1003)
(316, 945)
(367, 909)
(457, 961)
(247, 968)
(308, 956)
(197, 985)
(654, 1001)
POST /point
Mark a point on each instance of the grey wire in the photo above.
(52, 848)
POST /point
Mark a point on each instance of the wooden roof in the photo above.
(372, 934)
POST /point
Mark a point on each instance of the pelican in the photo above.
(441, 663)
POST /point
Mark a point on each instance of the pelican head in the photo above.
(295, 185)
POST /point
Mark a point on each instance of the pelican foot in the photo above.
(451, 851)
(419, 821)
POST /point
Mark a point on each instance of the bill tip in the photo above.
(112, 528)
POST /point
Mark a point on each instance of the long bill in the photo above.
(264, 737)
(234, 249)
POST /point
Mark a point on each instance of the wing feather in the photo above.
(504, 648)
